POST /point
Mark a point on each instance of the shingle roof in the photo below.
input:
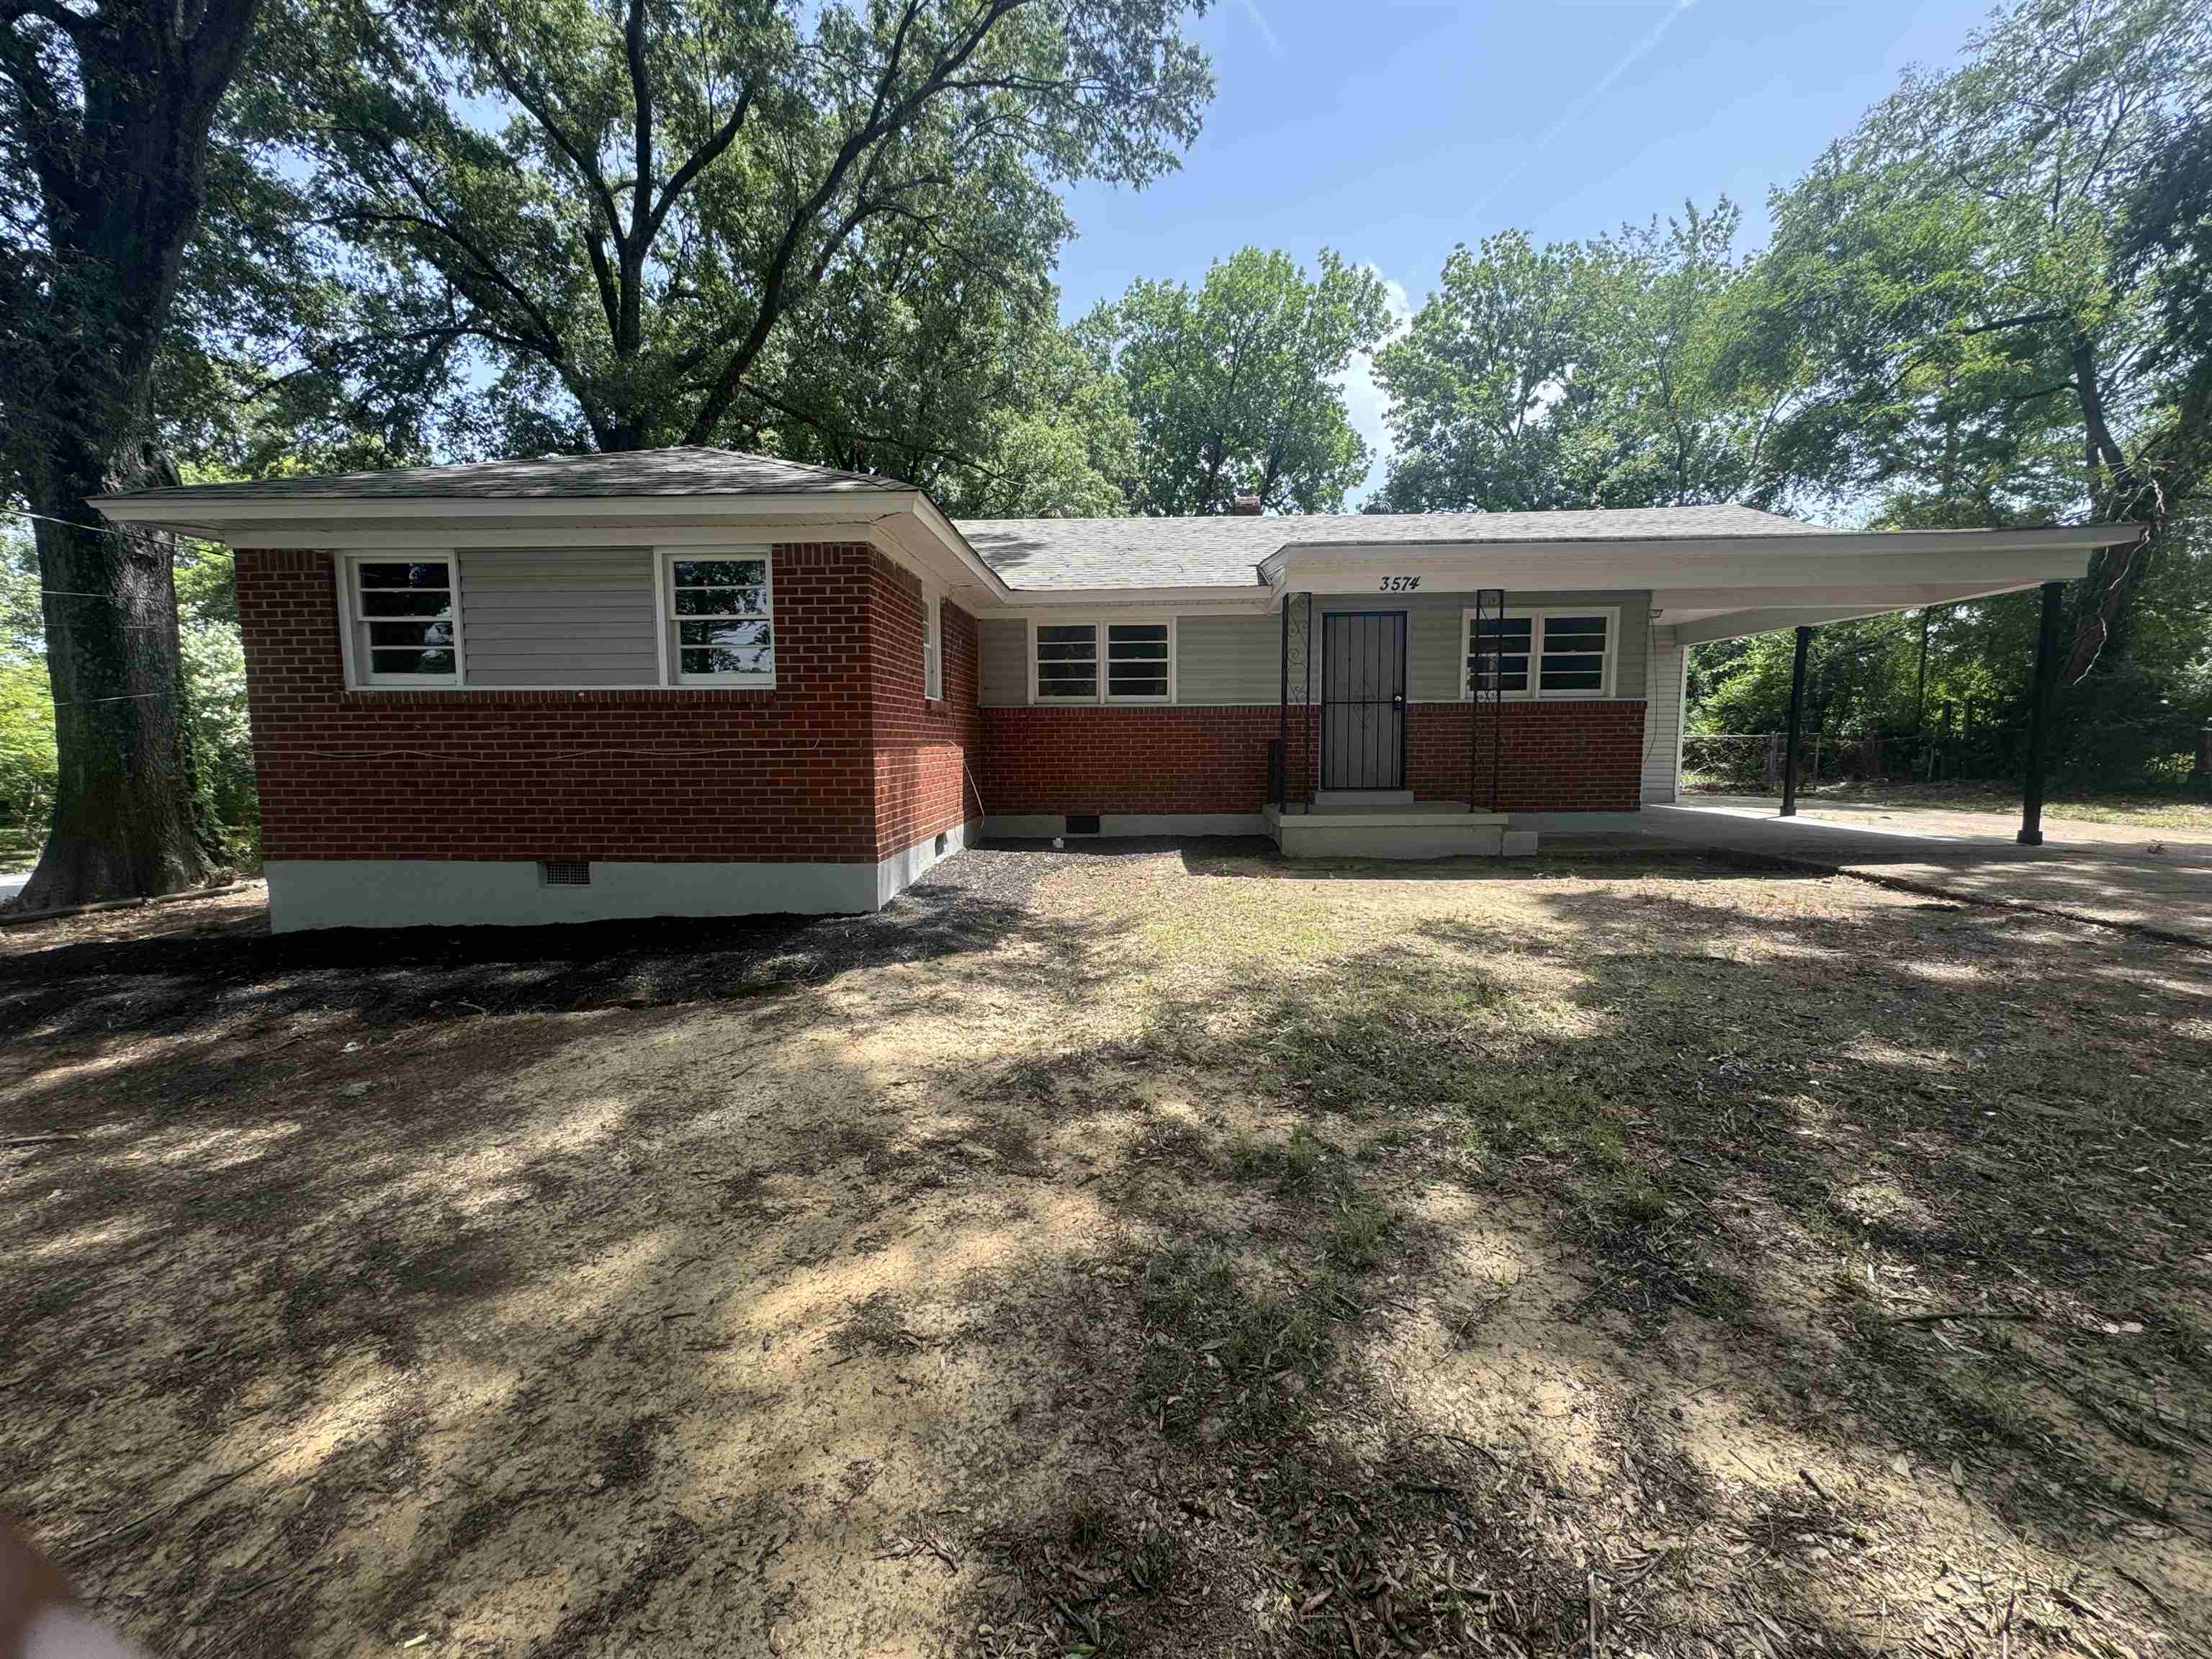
(679, 472)
(1223, 551)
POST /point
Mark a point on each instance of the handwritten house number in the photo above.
(1400, 584)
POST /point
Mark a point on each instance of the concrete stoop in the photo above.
(1408, 831)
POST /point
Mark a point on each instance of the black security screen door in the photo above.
(1362, 700)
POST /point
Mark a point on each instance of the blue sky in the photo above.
(1392, 130)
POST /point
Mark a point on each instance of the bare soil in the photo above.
(1154, 1251)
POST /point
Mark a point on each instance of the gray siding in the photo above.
(1229, 659)
(1237, 660)
(559, 617)
(1663, 723)
(1002, 674)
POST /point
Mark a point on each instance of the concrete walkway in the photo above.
(2157, 881)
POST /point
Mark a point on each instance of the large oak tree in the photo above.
(106, 114)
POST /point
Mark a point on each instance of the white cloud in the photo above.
(1364, 400)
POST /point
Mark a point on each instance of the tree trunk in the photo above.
(125, 812)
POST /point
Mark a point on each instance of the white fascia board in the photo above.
(312, 520)
(643, 536)
(925, 541)
(1179, 601)
(1665, 568)
(2087, 537)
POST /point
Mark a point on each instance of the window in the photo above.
(1541, 654)
(720, 613)
(1497, 654)
(404, 622)
(1571, 660)
(1137, 662)
(933, 647)
(1067, 662)
(1103, 661)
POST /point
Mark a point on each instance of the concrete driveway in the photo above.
(2157, 881)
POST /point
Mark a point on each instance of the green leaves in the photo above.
(712, 219)
(1233, 385)
(1603, 374)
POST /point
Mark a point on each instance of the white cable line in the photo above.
(93, 529)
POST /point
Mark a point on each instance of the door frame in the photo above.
(1403, 694)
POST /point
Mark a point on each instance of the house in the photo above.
(692, 682)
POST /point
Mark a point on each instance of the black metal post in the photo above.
(2038, 715)
(1313, 733)
(1796, 721)
(1283, 718)
(1497, 711)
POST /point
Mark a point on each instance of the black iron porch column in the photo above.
(2038, 715)
(1797, 721)
(1283, 720)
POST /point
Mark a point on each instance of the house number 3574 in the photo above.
(1400, 584)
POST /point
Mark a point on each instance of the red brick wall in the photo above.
(676, 774)
(923, 748)
(1125, 759)
(1558, 757)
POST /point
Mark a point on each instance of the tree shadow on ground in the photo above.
(984, 1286)
(400, 975)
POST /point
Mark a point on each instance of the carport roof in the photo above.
(1226, 551)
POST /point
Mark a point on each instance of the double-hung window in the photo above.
(1102, 662)
(402, 621)
(1562, 654)
(719, 616)
(933, 647)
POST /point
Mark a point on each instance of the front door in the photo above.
(1362, 700)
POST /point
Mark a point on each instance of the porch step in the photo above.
(1422, 829)
(1328, 797)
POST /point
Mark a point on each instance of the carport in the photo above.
(1911, 571)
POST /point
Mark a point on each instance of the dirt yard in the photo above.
(1160, 1252)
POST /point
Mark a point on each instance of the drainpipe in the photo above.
(1796, 721)
(2038, 716)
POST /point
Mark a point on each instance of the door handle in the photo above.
(1398, 702)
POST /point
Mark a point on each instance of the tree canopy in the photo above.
(707, 220)
(1594, 374)
(1234, 385)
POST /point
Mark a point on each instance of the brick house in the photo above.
(692, 681)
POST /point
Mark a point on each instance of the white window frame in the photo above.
(1101, 623)
(933, 647)
(353, 636)
(664, 582)
(1537, 615)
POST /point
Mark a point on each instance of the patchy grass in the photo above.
(1124, 1254)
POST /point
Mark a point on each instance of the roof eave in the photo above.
(212, 515)
(2044, 539)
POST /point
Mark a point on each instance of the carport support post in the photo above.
(1797, 721)
(2038, 715)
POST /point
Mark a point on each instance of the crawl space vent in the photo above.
(1082, 823)
(564, 873)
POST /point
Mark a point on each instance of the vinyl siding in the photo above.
(1237, 659)
(1229, 660)
(563, 617)
(1003, 647)
(1662, 721)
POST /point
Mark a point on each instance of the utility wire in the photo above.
(94, 529)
